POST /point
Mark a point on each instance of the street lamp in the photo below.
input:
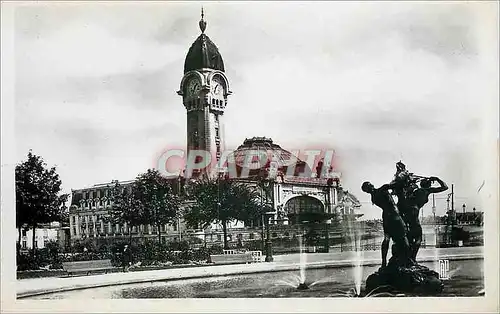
(267, 216)
(327, 235)
(269, 248)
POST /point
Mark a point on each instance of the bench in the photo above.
(236, 257)
(87, 266)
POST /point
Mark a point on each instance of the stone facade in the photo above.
(89, 209)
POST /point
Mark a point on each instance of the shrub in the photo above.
(26, 262)
(48, 256)
(149, 253)
(179, 246)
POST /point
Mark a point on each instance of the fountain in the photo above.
(302, 266)
(358, 269)
(355, 237)
(466, 279)
(300, 280)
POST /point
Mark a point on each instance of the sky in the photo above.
(95, 86)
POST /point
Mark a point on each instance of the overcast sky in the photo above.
(95, 85)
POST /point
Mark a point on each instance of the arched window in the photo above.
(304, 208)
(303, 204)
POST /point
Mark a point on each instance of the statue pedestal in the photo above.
(415, 279)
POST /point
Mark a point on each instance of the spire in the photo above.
(202, 23)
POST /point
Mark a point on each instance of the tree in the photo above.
(38, 198)
(160, 205)
(221, 201)
(125, 207)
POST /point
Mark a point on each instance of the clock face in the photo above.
(217, 86)
(193, 87)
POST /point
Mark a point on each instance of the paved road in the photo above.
(27, 287)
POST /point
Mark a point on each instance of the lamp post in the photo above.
(269, 248)
(263, 221)
(267, 216)
(434, 220)
(327, 235)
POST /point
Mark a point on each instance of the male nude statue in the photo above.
(404, 183)
(417, 200)
(394, 227)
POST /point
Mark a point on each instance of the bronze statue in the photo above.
(416, 200)
(404, 184)
(393, 225)
(401, 224)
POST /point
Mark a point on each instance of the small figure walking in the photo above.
(126, 258)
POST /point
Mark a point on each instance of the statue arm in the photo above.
(443, 187)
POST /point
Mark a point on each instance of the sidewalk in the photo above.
(36, 286)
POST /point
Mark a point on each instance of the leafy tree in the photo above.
(150, 199)
(221, 201)
(38, 198)
(159, 203)
(125, 207)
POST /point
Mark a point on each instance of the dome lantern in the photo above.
(203, 53)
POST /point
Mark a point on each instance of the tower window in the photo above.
(213, 101)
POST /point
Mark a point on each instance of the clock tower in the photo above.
(204, 89)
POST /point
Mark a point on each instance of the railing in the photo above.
(256, 255)
(372, 247)
(230, 252)
(362, 247)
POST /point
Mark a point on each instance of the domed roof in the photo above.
(257, 146)
(203, 53)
